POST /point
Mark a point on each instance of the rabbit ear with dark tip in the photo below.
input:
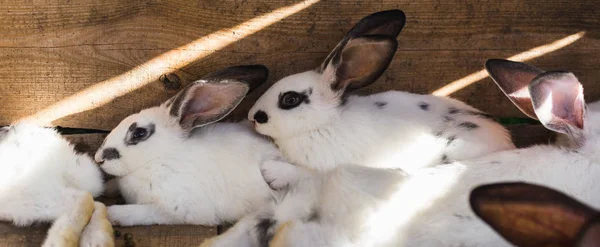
(553, 97)
(513, 78)
(214, 96)
(251, 75)
(360, 62)
(386, 23)
(529, 215)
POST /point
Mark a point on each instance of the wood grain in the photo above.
(52, 49)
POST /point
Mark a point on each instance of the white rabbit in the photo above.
(529, 215)
(321, 209)
(42, 179)
(430, 207)
(316, 124)
(175, 165)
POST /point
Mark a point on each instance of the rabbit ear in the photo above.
(590, 234)
(530, 215)
(360, 62)
(388, 23)
(252, 75)
(212, 98)
(513, 78)
(558, 103)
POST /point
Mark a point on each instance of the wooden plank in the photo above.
(173, 235)
(53, 49)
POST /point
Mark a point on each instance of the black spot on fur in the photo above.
(445, 159)
(343, 100)
(150, 186)
(314, 216)
(448, 119)
(450, 140)
(439, 133)
(462, 217)
(468, 125)
(380, 104)
(111, 154)
(424, 106)
(310, 91)
(176, 207)
(264, 231)
(452, 110)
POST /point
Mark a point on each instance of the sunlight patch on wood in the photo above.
(539, 51)
(105, 91)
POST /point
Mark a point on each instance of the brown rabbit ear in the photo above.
(252, 75)
(530, 215)
(361, 62)
(513, 78)
(590, 234)
(386, 23)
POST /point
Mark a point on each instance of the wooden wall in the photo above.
(52, 49)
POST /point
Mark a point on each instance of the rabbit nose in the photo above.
(261, 117)
(107, 154)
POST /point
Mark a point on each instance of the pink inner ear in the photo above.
(565, 94)
(207, 102)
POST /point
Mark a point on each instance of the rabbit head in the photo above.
(555, 98)
(533, 215)
(303, 101)
(154, 133)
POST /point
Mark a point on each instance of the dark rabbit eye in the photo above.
(291, 99)
(139, 133)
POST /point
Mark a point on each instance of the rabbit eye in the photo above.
(291, 99)
(139, 133)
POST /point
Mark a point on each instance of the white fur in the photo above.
(430, 207)
(400, 134)
(42, 179)
(209, 176)
(563, 140)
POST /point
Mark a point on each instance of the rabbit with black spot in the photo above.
(43, 179)
(175, 165)
(430, 207)
(316, 123)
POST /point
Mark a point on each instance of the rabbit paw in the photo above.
(98, 232)
(280, 175)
